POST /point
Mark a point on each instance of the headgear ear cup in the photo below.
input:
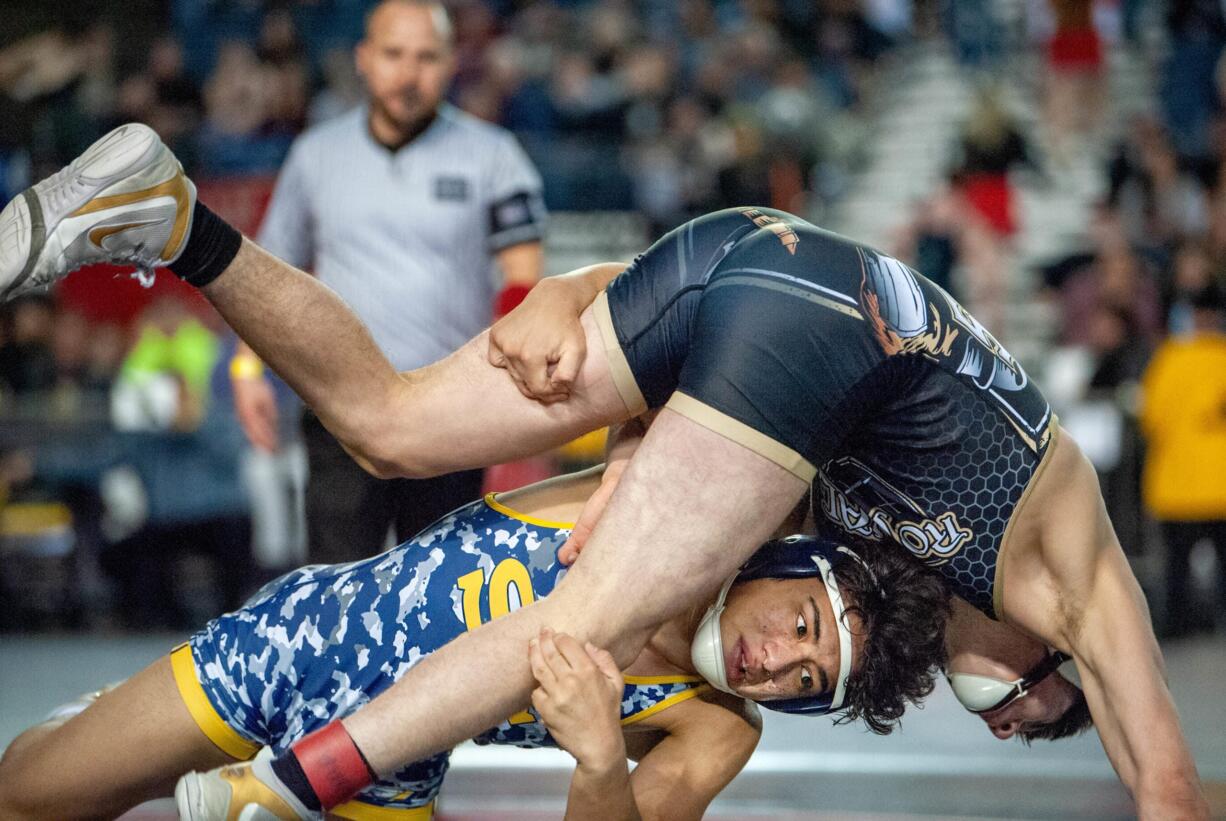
(707, 646)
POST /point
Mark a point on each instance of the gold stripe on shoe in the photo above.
(246, 788)
(175, 187)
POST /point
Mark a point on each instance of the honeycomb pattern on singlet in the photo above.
(979, 477)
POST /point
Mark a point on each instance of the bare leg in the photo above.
(458, 413)
(129, 746)
(690, 509)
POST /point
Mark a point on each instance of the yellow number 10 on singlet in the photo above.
(508, 573)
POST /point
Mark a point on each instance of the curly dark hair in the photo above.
(1074, 721)
(903, 612)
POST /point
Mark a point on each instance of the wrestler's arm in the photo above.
(697, 746)
(578, 696)
(705, 744)
(541, 343)
(709, 740)
(1072, 587)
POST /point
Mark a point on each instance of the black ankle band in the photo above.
(289, 770)
(211, 247)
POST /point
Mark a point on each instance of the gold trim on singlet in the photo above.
(361, 811)
(619, 366)
(742, 434)
(197, 702)
(674, 699)
(492, 501)
(998, 582)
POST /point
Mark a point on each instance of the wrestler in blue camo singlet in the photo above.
(321, 641)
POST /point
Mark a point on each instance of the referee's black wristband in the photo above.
(211, 247)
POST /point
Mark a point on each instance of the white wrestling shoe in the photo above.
(249, 791)
(125, 200)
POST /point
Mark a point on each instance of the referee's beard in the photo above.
(394, 131)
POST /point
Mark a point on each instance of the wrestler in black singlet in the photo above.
(844, 366)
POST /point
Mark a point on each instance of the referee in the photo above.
(407, 208)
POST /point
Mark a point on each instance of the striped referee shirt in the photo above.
(406, 237)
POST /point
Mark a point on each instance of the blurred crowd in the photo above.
(126, 434)
(669, 109)
(1142, 313)
(1136, 363)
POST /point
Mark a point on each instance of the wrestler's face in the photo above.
(780, 639)
(1044, 703)
(407, 62)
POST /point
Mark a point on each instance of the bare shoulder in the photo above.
(1075, 527)
(1057, 545)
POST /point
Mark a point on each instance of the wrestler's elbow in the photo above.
(1171, 795)
(386, 458)
(387, 446)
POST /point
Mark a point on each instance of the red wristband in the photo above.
(332, 764)
(508, 298)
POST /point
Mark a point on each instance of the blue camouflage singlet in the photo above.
(321, 641)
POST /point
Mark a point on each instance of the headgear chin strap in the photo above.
(796, 557)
